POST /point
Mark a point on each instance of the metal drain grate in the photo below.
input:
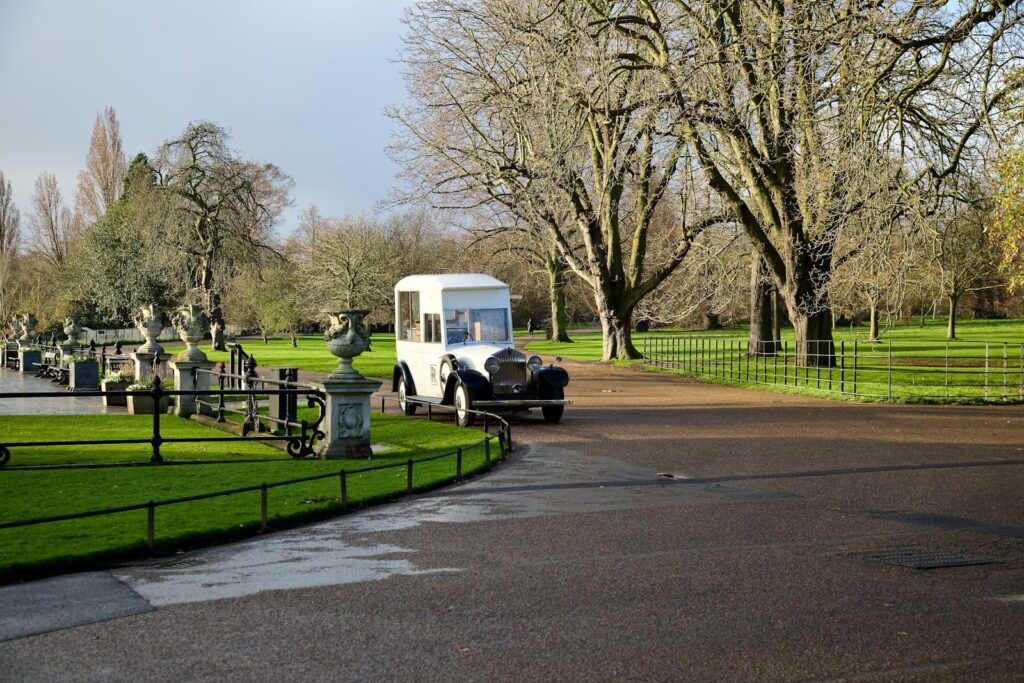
(177, 564)
(919, 558)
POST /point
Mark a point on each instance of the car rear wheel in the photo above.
(407, 407)
(463, 416)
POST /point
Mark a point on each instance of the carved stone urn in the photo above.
(28, 323)
(191, 323)
(71, 329)
(346, 338)
(150, 321)
(15, 327)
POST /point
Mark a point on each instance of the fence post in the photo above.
(458, 465)
(1005, 358)
(775, 362)
(157, 393)
(344, 490)
(382, 405)
(408, 476)
(487, 444)
(854, 367)
(890, 370)
(986, 371)
(150, 525)
(842, 366)
(785, 363)
(220, 400)
(945, 376)
(430, 413)
(263, 506)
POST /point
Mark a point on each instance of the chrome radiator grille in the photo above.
(512, 372)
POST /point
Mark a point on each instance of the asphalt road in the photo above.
(666, 530)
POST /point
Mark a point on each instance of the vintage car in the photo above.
(453, 337)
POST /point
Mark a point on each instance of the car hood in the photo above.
(473, 355)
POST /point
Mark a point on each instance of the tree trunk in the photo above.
(263, 333)
(761, 294)
(814, 345)
(777, 308)
(617, 330)
(556, 281)
(873, 330)
(951, 325)
(295, 340)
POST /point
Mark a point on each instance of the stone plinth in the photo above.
(346, 424)
(185, 380)
(145, 363)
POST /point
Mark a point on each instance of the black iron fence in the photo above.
(298, 444)
(309, 434)
(977, 371)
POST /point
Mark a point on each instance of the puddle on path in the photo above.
(543, 481)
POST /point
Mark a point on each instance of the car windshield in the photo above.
(476, 325)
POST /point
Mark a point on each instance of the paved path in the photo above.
(576, 560)
(15, 382)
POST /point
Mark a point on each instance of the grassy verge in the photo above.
(923, 367)
(62, 546)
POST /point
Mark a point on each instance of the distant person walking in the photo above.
(530, 327)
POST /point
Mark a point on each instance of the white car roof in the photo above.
(448, 281)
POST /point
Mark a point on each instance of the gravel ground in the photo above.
(665, 530)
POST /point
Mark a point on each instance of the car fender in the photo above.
(478, 385)
(551, 378)
(402, 370)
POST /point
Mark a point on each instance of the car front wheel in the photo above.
(554, 413)
(463, 416)
(407, 407)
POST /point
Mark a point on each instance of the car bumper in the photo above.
(521, 403)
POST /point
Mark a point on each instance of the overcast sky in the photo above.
(298, 83)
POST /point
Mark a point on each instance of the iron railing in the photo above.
(503, 436)
(981, 371)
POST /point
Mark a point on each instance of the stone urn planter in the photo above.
(190, 322)
(83, 375)
(28, 323)
(150, 321)
(15, 327)
(71, 329)
(346, 338)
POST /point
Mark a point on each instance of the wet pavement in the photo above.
(666, 530)
(69, 404)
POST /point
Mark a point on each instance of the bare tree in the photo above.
(10, 218)
(789, 106)
(223, 209)
(521, 105)
(101, 182)
(53, 225)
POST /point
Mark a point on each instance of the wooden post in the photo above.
(344, 490)
(150, 525)
(408, 476)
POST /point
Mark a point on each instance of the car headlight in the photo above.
(534, 363)
(491, 365)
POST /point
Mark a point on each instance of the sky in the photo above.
(298, 83)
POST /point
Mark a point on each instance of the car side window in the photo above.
(432, 328)
(409, 316)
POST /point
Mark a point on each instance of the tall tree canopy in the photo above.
(222, 210)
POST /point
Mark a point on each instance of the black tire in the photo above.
(463, 404)
(553, 414)
(407, 407)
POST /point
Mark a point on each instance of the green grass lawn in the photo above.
(919, 368)
(311, 354)
(60, 546)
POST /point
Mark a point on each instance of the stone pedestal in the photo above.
(347, 423)
(145, 363)
(184, 380)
